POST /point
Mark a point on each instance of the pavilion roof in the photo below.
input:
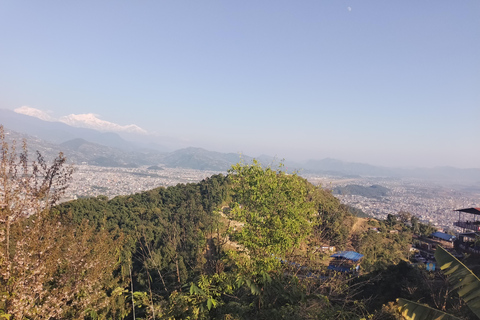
(470, 210)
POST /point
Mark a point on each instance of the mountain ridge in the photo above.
(109, 149)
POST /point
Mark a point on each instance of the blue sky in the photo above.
(394, 83)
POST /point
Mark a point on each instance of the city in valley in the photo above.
(431, 202)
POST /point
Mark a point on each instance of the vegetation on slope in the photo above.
(242, 246)
(50, 267)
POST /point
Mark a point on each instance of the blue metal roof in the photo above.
(349, 255)
(443, 236)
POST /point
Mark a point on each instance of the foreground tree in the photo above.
(278, 210)
(464, 281)
(49, 267)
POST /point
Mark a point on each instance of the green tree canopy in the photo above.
(278, 209)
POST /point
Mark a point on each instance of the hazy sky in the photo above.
(383, 82)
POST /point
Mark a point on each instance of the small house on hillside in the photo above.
(345, 261)
(431, 242)
(444, 239)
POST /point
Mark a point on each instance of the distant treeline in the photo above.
(374, 191)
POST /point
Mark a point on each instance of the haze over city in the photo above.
(385, 83)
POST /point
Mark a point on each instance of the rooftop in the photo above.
(443, 236)
(470, 210)
(348, 255)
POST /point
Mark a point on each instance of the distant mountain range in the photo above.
(109, 149)
(58, 132)
(201, 159)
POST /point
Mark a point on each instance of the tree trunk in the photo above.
(178, 271)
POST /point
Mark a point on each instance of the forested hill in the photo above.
(374, 191)
(172, 222)
(249, 245)
(253, 245)
(175, 235)
(190, 203)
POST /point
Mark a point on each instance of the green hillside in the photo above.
(250, 245)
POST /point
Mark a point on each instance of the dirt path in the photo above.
(360, 225)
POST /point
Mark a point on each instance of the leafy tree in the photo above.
(27, 188)
(404, 216)
(391, 220)
(49, 268)
(426, 229)
(278, 210)
(382, 249)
